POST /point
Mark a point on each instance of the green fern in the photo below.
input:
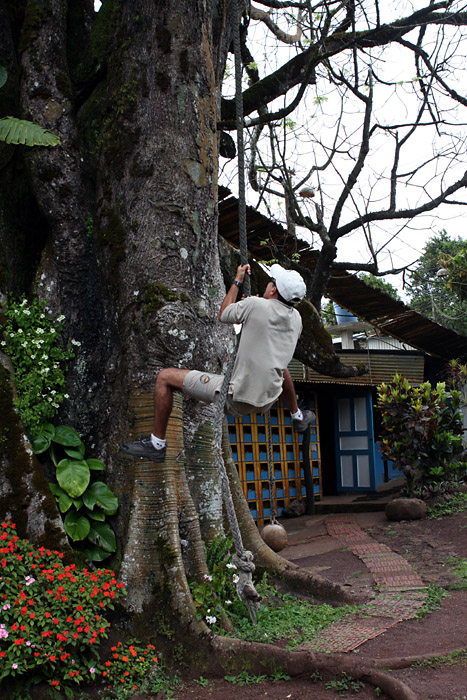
(19, 131)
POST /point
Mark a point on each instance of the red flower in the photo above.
(52, 657)
(55, 683)
(19, 641)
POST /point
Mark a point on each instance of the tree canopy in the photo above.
(437, 284)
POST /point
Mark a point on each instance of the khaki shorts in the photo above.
(204, 386)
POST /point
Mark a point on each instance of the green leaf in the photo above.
(77, 526)
(103, 535)
(63, 499)
(96, 514)
(41, 441)
(99, 494)
(19, 131)
(93, 553)
(73, 476)
(67, 436)
(3, 76)
(77, 453)
(95, 464)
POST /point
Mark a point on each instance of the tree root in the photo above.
(234, 655)
(407, 661)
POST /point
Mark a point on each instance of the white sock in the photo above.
(157, 443)
(297, 416)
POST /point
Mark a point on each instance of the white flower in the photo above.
(231, 566)
(207, 578)
(3, 342)
(20, 330)
(33, 357)
(61, 318)
(52, 330)
(27, 312)
(53, 392)
(235, 578)
(39, 331)
(24, 345)
(211, 619)
(75, 342)
(228, 602)
(66, 396)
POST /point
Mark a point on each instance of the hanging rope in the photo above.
(243, 559)
(272, 480)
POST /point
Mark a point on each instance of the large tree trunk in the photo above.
(126, 246)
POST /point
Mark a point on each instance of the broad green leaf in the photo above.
(77, 453)
(3, 76)
(73, 476)
(66, 436)
(19, 131)
(95, 464)
(78, 503)
(41, 441)
(103, 535)
(63, 499)
(93, 553)
(96, 514)
(99, 494)
(77, 526)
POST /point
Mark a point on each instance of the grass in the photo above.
(433, 600)
(283, 616)
(457, 504)
(448, 660)
(460, 569)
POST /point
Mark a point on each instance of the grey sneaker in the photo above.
(144, 448)
(301, 425)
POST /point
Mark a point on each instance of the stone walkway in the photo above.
(399, 595)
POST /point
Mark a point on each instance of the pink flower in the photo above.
(14, 666)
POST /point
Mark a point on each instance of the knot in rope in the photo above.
(244, 585)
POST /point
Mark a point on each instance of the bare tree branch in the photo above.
(265, 17)
(387, 214)
(291, 73)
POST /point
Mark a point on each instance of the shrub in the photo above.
(52, 613)
(421, 429)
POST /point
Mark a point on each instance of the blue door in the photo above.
(355, 443)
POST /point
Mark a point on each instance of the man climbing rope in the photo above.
(271, 327)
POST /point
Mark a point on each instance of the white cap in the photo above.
(289, 283)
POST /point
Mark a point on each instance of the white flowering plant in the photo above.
(32, 340)
(216, 594)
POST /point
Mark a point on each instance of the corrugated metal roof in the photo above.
(390, 316)
(382, 368)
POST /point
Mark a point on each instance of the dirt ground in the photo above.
(429, 547)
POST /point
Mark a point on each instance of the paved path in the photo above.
(399, 595)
